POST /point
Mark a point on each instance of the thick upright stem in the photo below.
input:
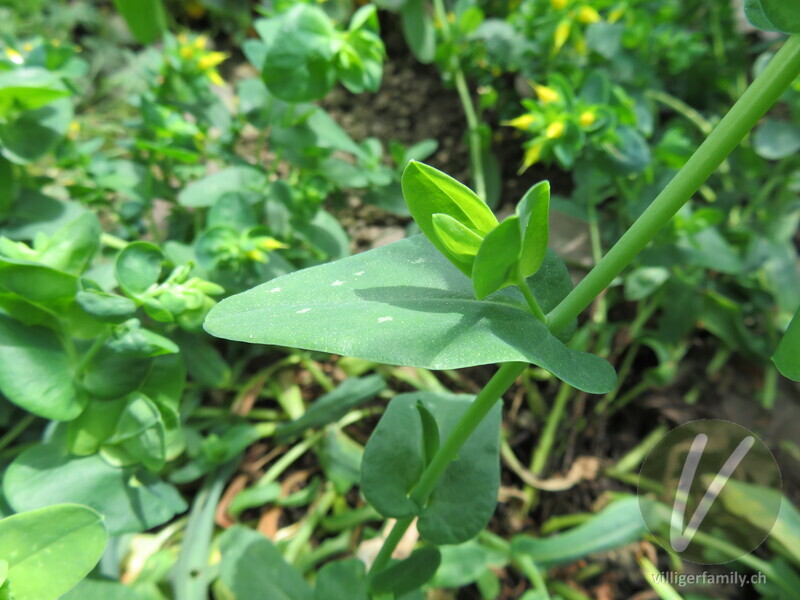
(744, 115)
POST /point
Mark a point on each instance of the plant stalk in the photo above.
(473, 123)
(488, 397)
(743, 116)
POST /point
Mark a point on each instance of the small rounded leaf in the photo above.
(460, 242)
(497, 262)
(138, 267)
(533, 211)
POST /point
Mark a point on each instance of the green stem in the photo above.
(743, 116)
(531, 299)
(542, 451)
(473, 123)
(491, 393)
(16, 430)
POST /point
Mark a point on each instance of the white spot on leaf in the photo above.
(273, 290)
(384, 319)
(359, 273)
(305, 310)
(337, 282)
(418, 261)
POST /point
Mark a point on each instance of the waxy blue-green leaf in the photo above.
(245, 180)
(130, 501)
(497, 262)
(459, 242)
(428, 191)
(533, 212)
(342, 580)
(405, 304)
(774, 15)
(146, 19)
(48, 551)
(36, 372)
(617, 525)
(787, 355)
(138, 267)
(298, 66)
(395, 456)
(406, 575)
(253, 569)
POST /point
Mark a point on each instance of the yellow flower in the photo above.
(588, 15)
(14, 56)
(256, 255)
(214, 77)
(547, 95)
(27, 47)
(562, 35)
(186, 52)
(531, 157)
(522, 122)
(200, 42)
(271, 244)
(554, 130)
(558, 4)
(587, 118)
(211, 60)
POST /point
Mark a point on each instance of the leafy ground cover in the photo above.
(269, 270)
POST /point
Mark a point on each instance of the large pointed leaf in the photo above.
(48, 551)
(405, 304)
(463, 501)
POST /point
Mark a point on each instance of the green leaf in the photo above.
(333, 405)
(342, 580)
(428, 191)
(129, 501)
(101, 589)
(787, 354)
(73, 247)
(35, 283)
(340, 458)
(40, 380)
(404, 576)
(138, 267)
(775, 139)
(757, 504)
(615, 526)
(146, 18)
(430, 433)
(109, 308)
(418, 30)
(35, 132)
(465, 563)
(533, 212)
(27, 89)
(359, 60)
(774, 15)
(232, 209)
(497, 262)
(50, 550)
(459, 242)
(253, 569)
(249, 181)
(299, 66)
(409, 295)
(466, 495)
